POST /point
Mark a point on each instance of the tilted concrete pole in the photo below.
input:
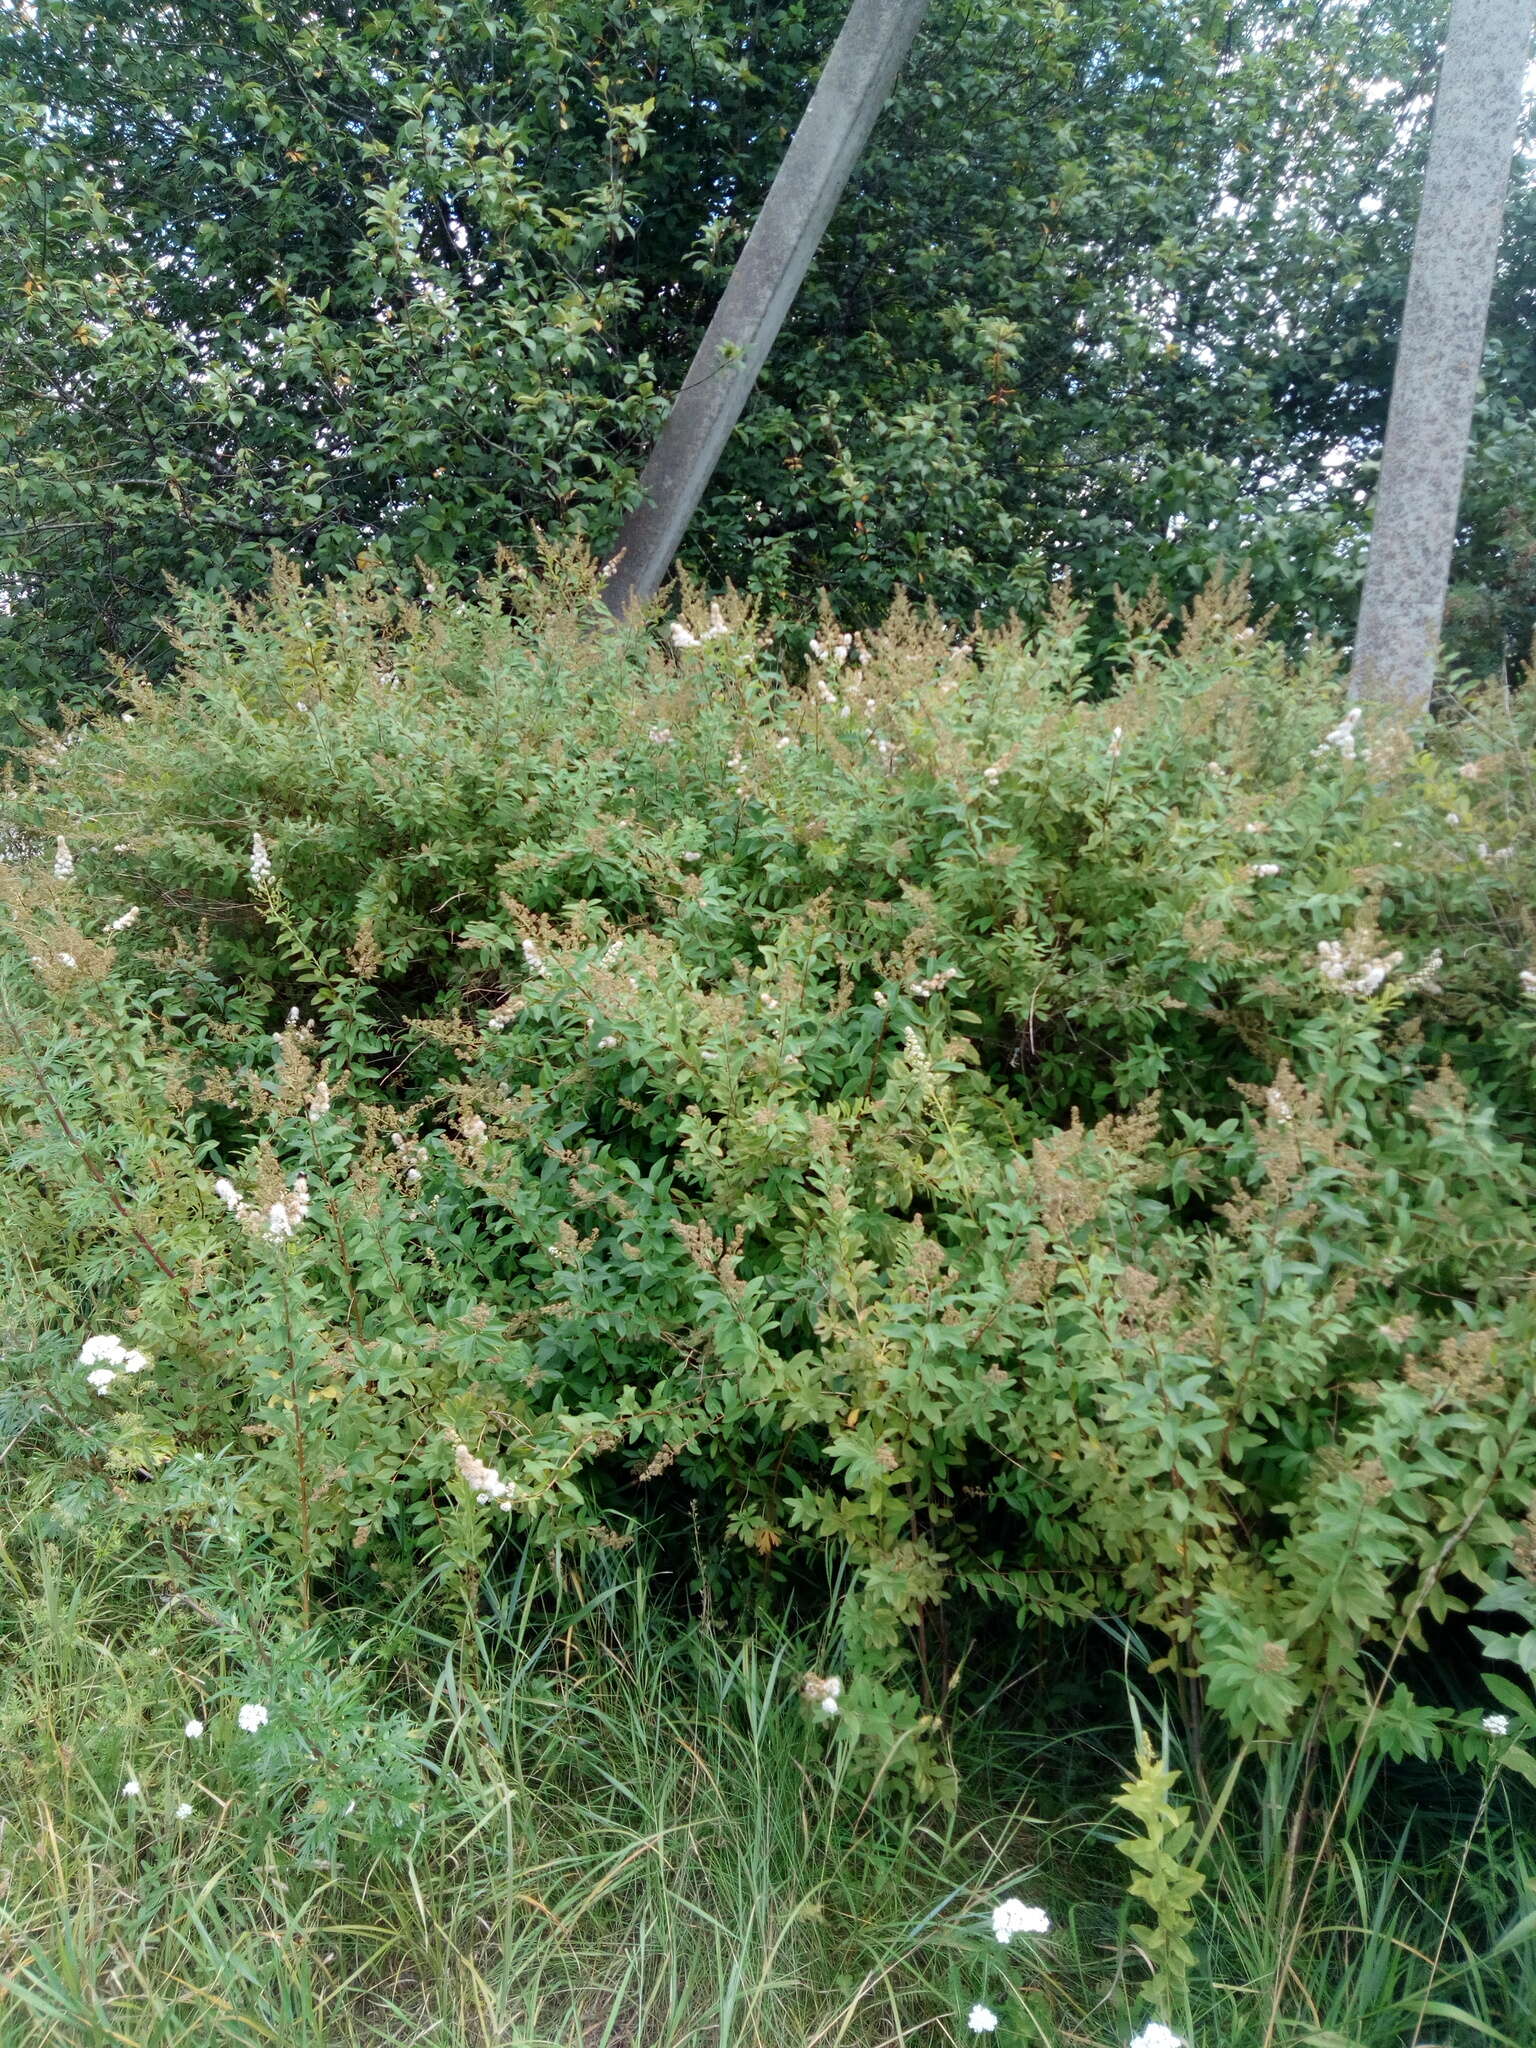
(1445, 318)
(853, 87)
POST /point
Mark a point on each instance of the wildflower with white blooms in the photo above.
(129, 917)
(533, 958)
(1495, 1724)
(825, 1694)
(847, 644)
(680, 635)
(981, 2019)
(286, 1214)
(320, 1102)
(1014, 1917)
(485, 1480)
(193, 1730)
(184, 1811)
(1262, 870)
(252, 1717)
(1344, 740)
(63, 860)
(106, 1351)
(934, 983)
(261, 860)
(1156, 2035)
(1527, 982)
(1351, 966)
(132, 1789)
(277, 1220)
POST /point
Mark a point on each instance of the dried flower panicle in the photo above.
(1464, 1371)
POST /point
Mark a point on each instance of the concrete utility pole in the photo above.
(853, 87)
(1445, 318)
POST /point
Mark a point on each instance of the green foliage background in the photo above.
(1112, 295)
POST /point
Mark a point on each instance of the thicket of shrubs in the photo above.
(499, 1081)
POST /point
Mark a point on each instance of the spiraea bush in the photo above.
(471, 1081)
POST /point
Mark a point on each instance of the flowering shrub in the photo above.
(504, 1080)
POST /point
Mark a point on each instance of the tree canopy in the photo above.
(1112, 295)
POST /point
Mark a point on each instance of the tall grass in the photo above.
(631, 1834)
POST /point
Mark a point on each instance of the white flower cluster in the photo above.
(934, 983)
(286, 1214)
(981, 2019)
(1114, 742)
(916, 1052)
(1344, 739)
(485, 1481)
(319, 1104)
(129, 918)
(1156, 2035)
(681, 637)
(261, 860)
(110, 1356)
(1014, 1917)
(1496, 1725)
(279, 1220)
(1527, 982)
(660, 735)
(825, 1694)
(252, 1717)
(533, 959)
(413, 1155)
(847, 647)
(1262, 870)
(1498, 853)
(63, 860)
(1350, 965)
